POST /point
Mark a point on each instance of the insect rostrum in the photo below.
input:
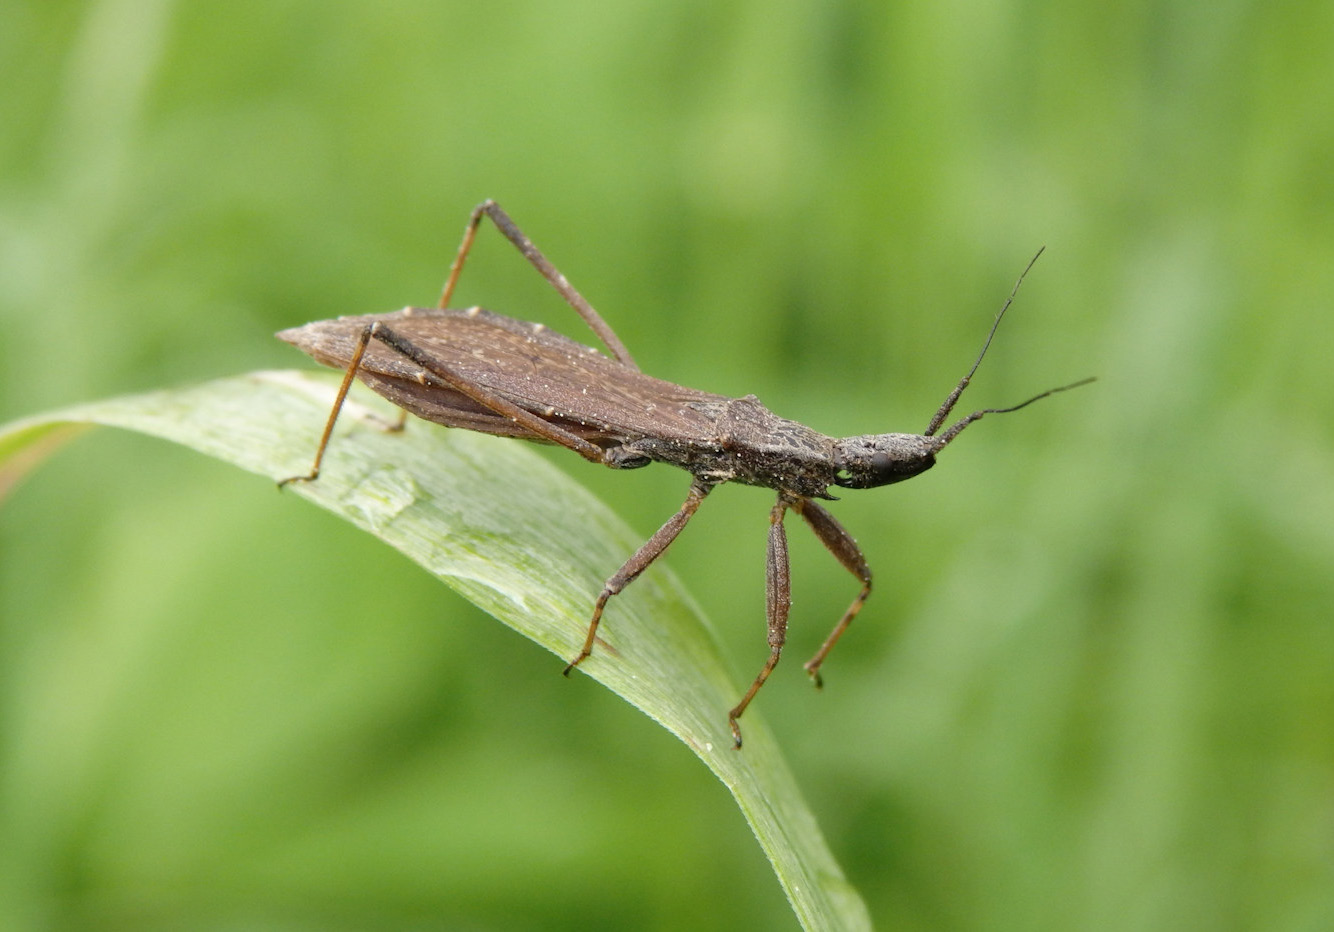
(486, 372)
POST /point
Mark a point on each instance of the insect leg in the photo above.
(358, 351)
(778, 590)
(432, 366)
(548, 271)
(840, 544)
(645, 555)
(390, 425)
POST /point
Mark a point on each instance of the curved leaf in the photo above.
(482, 514)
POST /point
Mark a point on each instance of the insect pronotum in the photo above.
(486, 372)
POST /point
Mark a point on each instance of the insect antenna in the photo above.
(955, 428)
(953, 397)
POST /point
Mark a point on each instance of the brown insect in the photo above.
(482, 371)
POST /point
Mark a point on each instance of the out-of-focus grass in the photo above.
(1093, 685)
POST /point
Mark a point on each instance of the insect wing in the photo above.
(542, 371)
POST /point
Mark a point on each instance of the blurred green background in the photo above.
(1095, 686)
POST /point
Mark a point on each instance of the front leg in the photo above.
(840, 543)
(645, 555)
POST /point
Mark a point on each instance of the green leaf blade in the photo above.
(518, 538)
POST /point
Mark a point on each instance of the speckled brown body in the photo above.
(483, 371)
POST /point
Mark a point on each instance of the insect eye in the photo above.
(867, 475)
(882, 466)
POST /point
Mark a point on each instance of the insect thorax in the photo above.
(753, 446)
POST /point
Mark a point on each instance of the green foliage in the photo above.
(1092, 688)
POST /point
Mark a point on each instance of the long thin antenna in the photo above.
(953, 398)
(959, 425)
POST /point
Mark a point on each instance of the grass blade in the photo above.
(435, 496)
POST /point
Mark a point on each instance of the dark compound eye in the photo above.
(882, 466)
